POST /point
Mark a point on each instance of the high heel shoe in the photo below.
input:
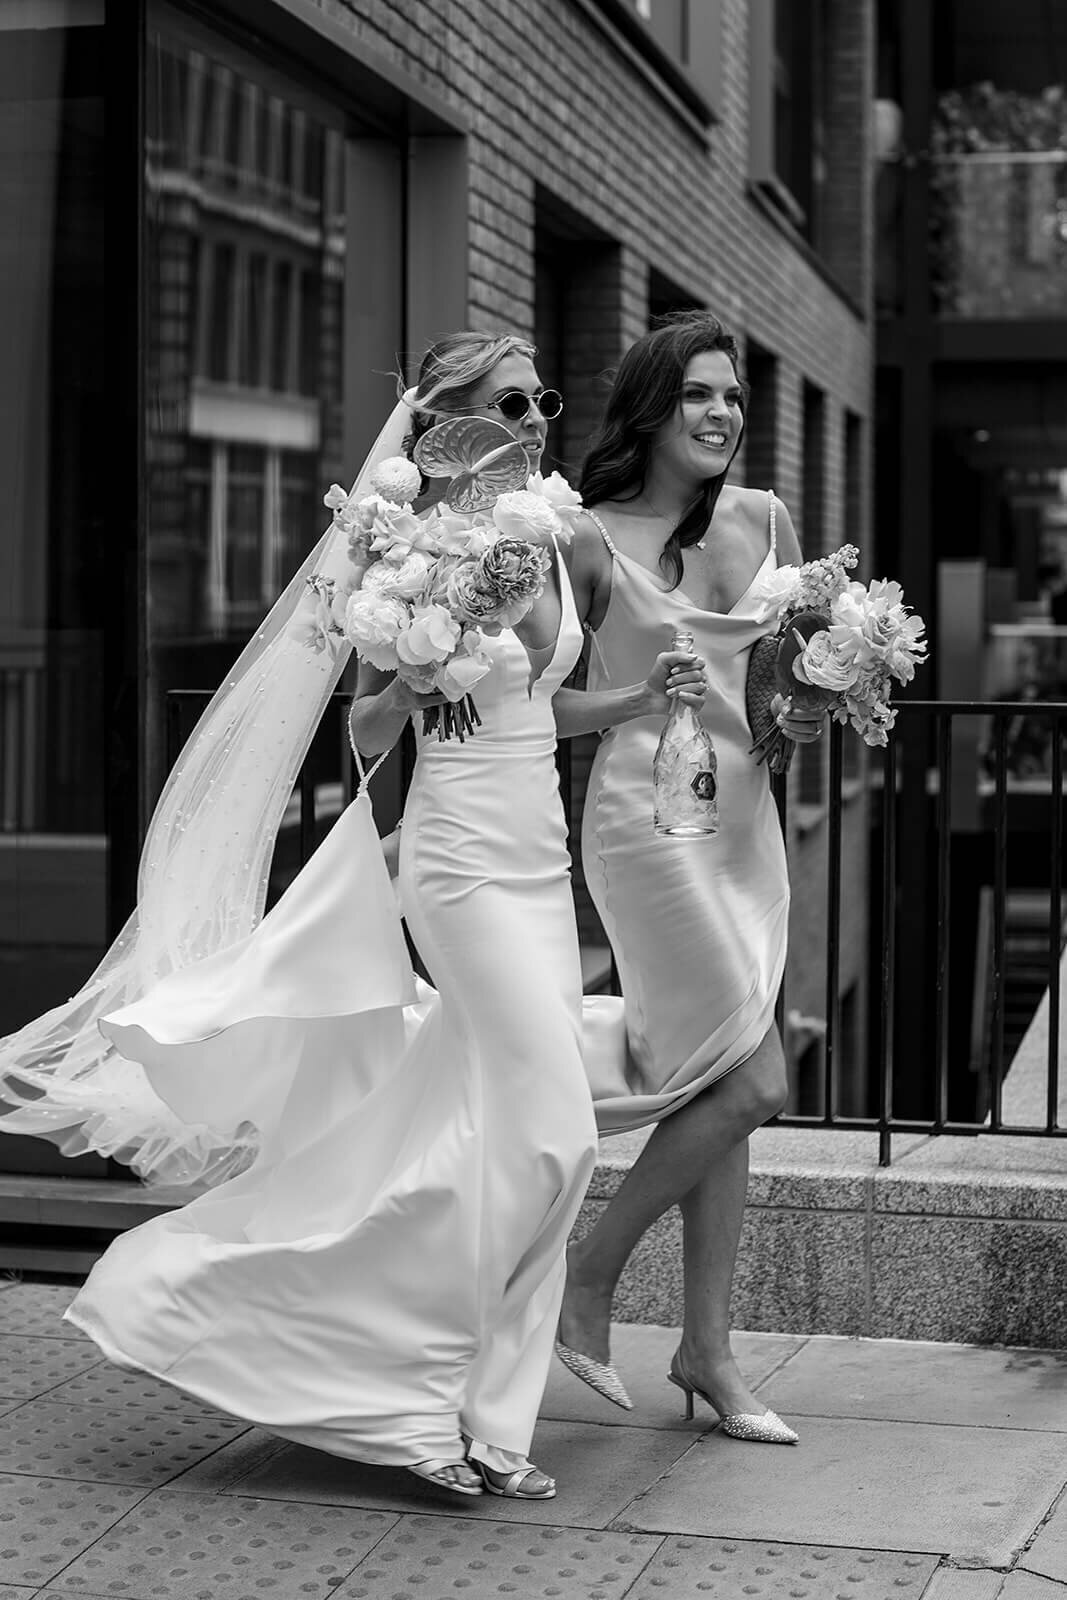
(759, 1428)
(599, 1375)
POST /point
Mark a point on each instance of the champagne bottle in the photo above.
(684, 784)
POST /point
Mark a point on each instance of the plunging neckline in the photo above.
(679, 593)
(533, 676)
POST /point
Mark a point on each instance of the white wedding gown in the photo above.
(386, 1276)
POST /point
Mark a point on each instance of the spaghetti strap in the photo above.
(604, 534)
(364, 775)
(774, 531)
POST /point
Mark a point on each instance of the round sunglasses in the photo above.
(515, 404)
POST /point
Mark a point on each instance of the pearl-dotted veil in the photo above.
(201, 885)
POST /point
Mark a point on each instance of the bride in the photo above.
(379, 1272)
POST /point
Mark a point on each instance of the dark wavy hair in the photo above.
(645, 394)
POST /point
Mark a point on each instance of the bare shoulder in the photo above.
(589, 566)
(748, 507)
(749, 510)
(586, 551)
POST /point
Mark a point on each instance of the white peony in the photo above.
(396, 479)
(373, 623)
(406, 580)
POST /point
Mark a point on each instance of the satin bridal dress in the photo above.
(698, 928)
(386, 1276)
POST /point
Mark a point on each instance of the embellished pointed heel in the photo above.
(599, 1375)
(764, 1427)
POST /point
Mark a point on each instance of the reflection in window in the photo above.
(245, 204)
(59, 585)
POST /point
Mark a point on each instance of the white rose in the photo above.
(432, 636)
(776, 592)
(522, 515)
(820, 665)
(565, 501)
(373, 623)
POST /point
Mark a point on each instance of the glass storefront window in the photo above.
(245, 180)
(57, 594)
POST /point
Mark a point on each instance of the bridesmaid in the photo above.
(698, 929)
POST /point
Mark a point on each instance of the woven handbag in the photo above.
(770, 672)
(761, 686)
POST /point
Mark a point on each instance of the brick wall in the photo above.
(571, 151)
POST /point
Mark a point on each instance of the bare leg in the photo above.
(696, 1159)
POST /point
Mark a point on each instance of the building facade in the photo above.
(971, 481)
(298, 196)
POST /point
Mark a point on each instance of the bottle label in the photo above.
(704, 785)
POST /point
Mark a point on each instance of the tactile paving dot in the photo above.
(445, 1558)
(106, 1385)
(739, 1569)
(37, 1308)
(203, 1547)
(44, 1523)
(30, 1365)
(106, 1444)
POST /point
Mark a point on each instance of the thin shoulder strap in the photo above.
(604, 534)
(774, 530)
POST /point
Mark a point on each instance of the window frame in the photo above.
(693, 86)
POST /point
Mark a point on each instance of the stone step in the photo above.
(960, 1239)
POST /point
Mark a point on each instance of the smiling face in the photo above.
(514, 372)
(699, 438)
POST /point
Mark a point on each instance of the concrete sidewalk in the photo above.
(923, 1470)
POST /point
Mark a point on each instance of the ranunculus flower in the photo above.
(522, 515)
(502, 585)
(373, 623)
(465, 598)
(432, 636)
(820, 665)
(396, 479)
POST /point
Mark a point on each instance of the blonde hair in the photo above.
(452, 369)
(457, 364)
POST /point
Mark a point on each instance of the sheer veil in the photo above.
(201, 885)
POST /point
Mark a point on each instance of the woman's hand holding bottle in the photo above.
(675, 674)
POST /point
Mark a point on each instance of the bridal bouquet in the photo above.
(838, 647)
(438, 584)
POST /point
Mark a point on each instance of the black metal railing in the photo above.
(967, 810)
(963, 823)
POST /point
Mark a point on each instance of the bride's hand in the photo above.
(798, 723)
(675, 675)
(409, 699)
